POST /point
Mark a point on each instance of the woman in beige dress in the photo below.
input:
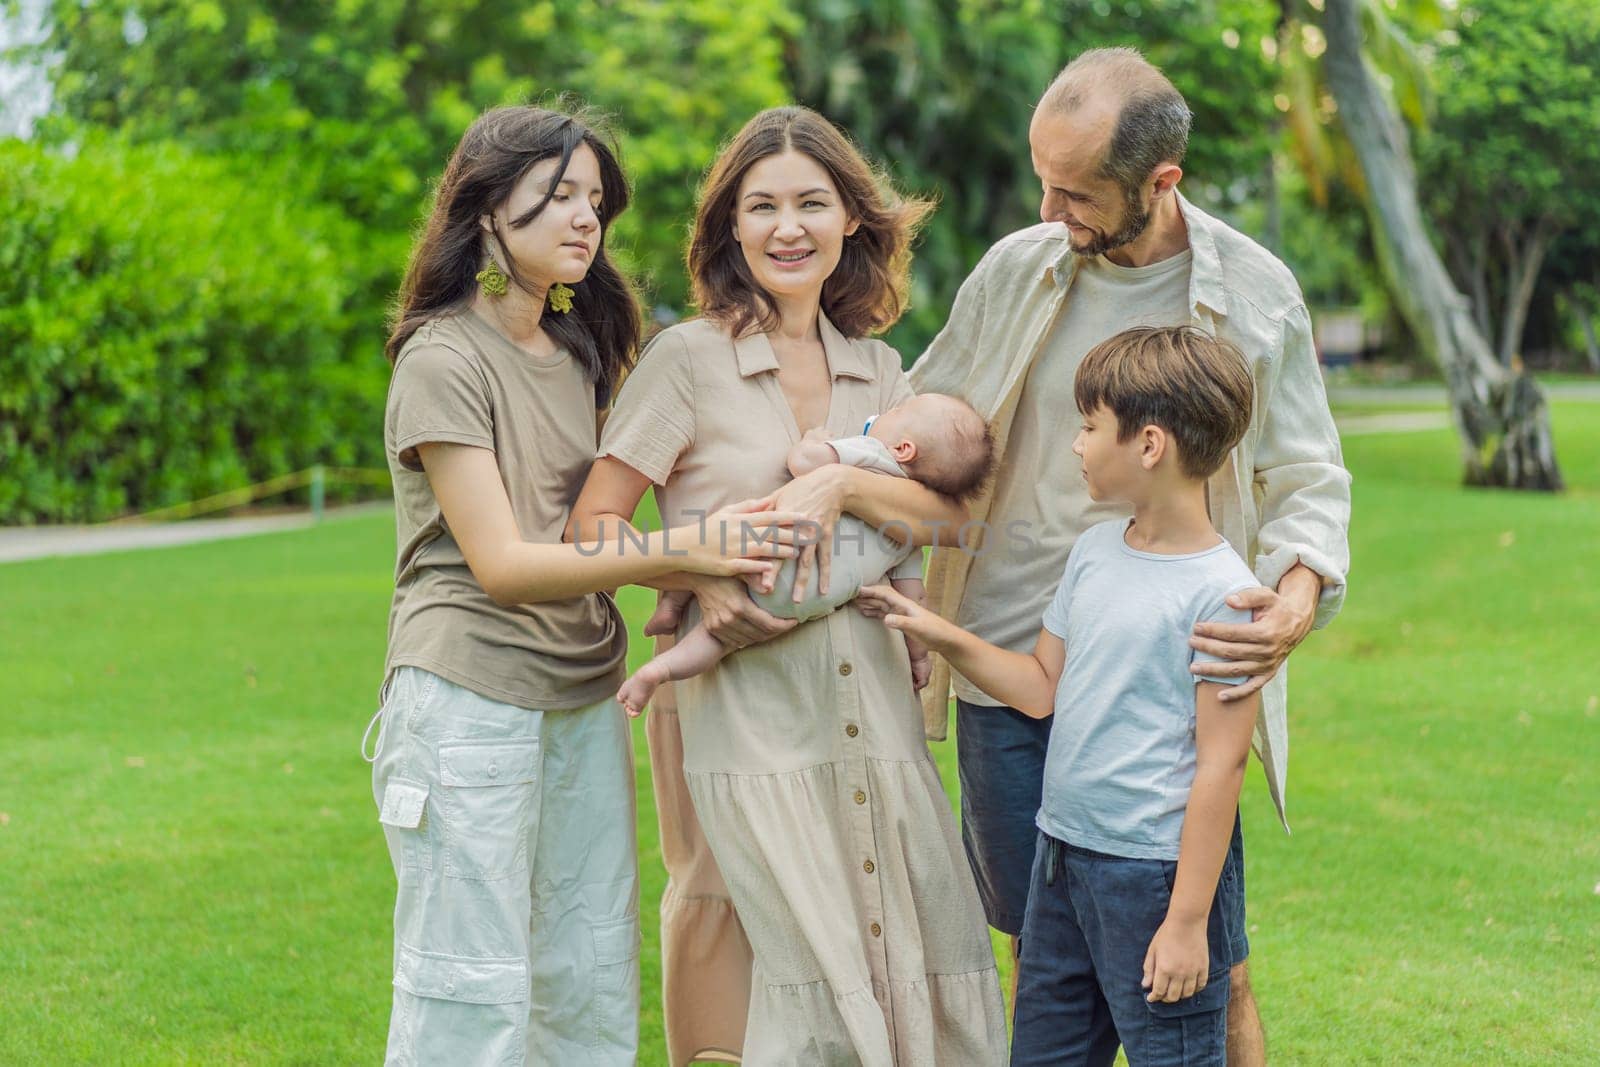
(804, 755)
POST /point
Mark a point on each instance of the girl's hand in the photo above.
(905, 615)
(739, 539)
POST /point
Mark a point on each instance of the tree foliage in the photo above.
(367, 97)
(1513, 154)
(335, 116)
(152, 356)
(943, 90)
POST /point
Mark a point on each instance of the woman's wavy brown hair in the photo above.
(866, 292)
(602, 329)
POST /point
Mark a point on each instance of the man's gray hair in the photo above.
(1152, 121)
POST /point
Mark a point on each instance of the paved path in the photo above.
(1427, 395)
(1391, 422)
(34, 542)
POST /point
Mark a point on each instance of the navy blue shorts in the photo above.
(1090, 920)
(1000, 753)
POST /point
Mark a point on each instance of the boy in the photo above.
(1135, 895)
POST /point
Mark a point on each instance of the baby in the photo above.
(934, 439)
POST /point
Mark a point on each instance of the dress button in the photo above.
(844, 669)
(861, 798)
(877, 931)
(852, 730)
(868, 867)
(450, 987)
(494, 772)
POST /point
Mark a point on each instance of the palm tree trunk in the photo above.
(1591, 347)
(1524, 260)
(1500, 414)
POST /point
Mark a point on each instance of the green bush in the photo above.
(171, 329)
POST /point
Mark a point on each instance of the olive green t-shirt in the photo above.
(459, 381)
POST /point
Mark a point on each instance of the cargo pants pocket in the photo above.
(615, 1006)
(457, 1010)
(1192, 1032)
(490, 801)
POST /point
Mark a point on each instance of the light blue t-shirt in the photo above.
(1122, 747)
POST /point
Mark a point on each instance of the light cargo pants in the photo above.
(516, 921)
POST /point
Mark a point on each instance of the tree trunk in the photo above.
(1523, 263)
(1591, 348)
(1500, 414)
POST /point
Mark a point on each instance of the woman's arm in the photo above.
(932, 517)
(613, 490)
(466, 481)
(903, 509)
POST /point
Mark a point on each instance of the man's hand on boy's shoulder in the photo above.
(1254, 651)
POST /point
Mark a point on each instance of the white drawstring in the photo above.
(376, 720)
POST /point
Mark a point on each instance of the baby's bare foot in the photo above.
(637, 690)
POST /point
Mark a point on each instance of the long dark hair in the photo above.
(867, 290)
(602, 329)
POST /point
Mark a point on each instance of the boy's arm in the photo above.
(1025, 681)
(1178, 962)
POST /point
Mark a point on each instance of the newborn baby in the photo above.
(934, 439)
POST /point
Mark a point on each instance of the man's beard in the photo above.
(1135, 217)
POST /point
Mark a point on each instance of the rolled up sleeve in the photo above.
(1301, 483)
(653, 422)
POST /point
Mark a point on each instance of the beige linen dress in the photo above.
(805, 755)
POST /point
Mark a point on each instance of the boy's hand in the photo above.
(903, 614)
(1177, 963)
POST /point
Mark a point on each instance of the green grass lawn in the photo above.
(191, 870)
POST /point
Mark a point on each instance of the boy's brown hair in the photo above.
(1197, 388)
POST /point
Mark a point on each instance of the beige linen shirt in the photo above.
(1040, 501)
(1282, 496)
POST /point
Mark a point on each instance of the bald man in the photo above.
(1119, 247)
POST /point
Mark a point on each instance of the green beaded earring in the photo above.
(493, 279)
(560, 298)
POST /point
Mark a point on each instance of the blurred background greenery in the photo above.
(206, 224)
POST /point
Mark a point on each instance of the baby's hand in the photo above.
(760, 581)
(921, 665)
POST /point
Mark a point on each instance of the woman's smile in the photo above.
(791, 257)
